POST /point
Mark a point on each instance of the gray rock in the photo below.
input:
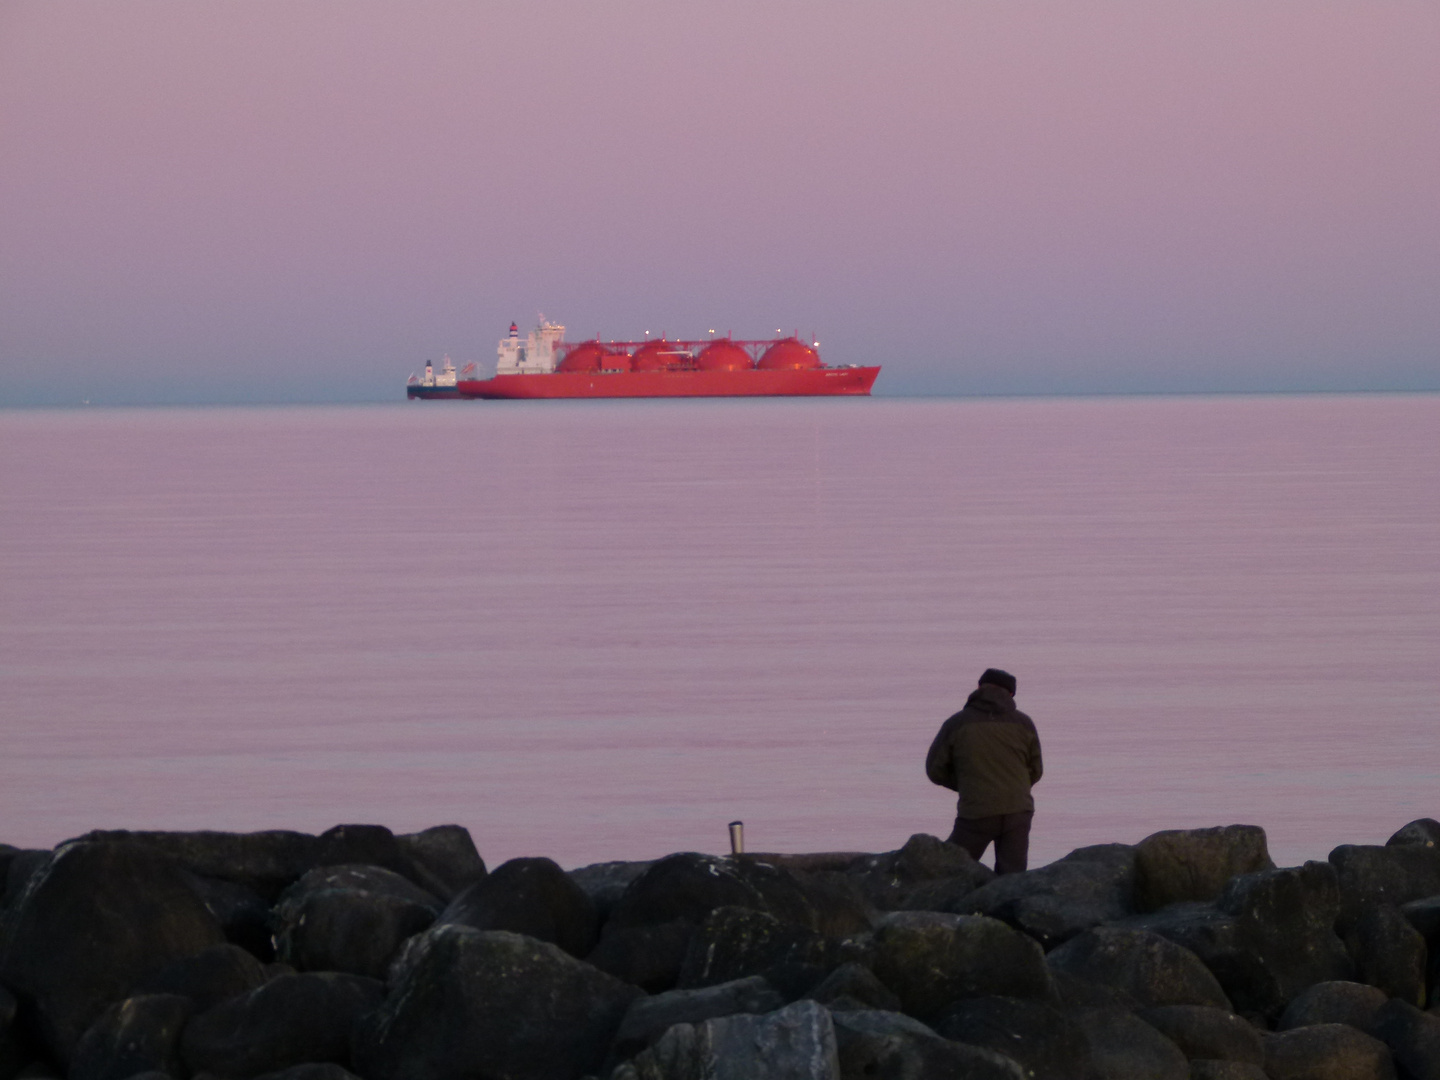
(1054, 903)
(1195, 864)
(880, 1045)
(795, 1043)
(889, 880)
(467, 1002)
(532, 897)
(290, 1020)
(264, 861)
(650, 1017)
(1397, 874)
(1326, 1052)
(208, 977)
(929, 960)
(604, 883)
(1425, 831)
(1151, 968)
(840, 904)
(448, 853)
(138, 1034)
(688, 886)
(1333, 1002)
(1078, 993)
(243, 914)
(1208, 1034)
(1203, 1069)
(1424, 915)
(12, 1048)
(736, 942)
(649, 957)
(1044, 1041)
(89, 925)
(1388, 953)
(323, 1070)
(858, 985)
(1413, 1038)
(1124, 1047)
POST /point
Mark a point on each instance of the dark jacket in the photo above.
(990, 753)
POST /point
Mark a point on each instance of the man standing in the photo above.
(989, 752)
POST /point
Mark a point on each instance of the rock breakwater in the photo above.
(361, 953)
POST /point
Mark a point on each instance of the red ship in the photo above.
(545, 366)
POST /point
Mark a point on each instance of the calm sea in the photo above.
(604, 630)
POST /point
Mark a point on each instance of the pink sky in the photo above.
(302, 201)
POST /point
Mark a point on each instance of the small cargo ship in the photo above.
(544, 365)
(443, 386)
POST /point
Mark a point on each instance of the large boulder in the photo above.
(88, 926)
(532, 897)
(649, 957)
(1209, 1069)
(1413, 1038)
(1207, 1034)
(132, 1036)
(1337, 1001)
(1195, 864)
(648, 1018)
(448, 853)
(12, 1047)
(290, 1020)
(1268, 936)
(264, 861)
(1124, 1047)
(468, 1002)
(1388, 952)
(930, 959)
(881, 1045)
(1151, 968)
(349, 918)
(243, 914)
(794, 1043)
(1044, 1040)
(735, 942)
(840, 906)
(852, 985)
(945, 871)
(604, 883)
(1424, 831)
(688, 886)
(1327, 1052)
(315, 1070)
(1368, 875)
(1053, 903)
(208, 977)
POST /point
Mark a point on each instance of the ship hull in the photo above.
(434, 393)
(815, 382)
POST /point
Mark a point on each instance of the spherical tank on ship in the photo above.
(723, 355)
(656, 356)
(587, 356)
(789, 354)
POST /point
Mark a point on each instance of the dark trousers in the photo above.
(1010, 832)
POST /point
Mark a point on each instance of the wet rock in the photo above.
(736, 942)
(1413, 1038)
(688, 886)
(375, 845)
(243, 914)
(650, 1017)
(840, 904)
(857, 985)
(290, 1020)
(1425, 831)
(649, 957)
(880, 1045)
(1202, 1069)
(1268, 936)
(1333, 1002)
(795, 1043)
(1149, 967)
(532, 897)
(448, 853)
(1054, 903)
(136, 1035)
(467, 1002)
(1195, 864)
(889, 879)
(89, 925)
(1326, 1052)
(1046, 1042)
(1424, 915)
(1206, 1033)
(208, 977)
(929, 960)
(604, 883)
(323, 1070)
(1396, 874)
(1124, 1047)
(1077, 993)
(1388, 952)
(12, 1047)
(264, 861)
(349, 918)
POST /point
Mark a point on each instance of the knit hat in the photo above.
(996, 677)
